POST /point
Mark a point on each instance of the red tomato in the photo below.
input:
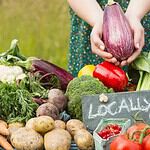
(123, 143)
(136, 127)
(146, 143)
(109, 131)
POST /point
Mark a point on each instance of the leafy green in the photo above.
(11, 56)
(16, 99)
(16, 103)
(32, 84)
(142, 64)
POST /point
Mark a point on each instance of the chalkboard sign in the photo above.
(119, 105)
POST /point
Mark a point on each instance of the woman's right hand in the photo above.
(98, 46)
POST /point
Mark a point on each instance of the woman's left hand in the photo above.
(138, 32)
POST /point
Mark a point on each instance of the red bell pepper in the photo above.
(112, 76)
(123, 143)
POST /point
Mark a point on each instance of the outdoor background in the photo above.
(41, 26)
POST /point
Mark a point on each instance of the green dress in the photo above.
(80, 49)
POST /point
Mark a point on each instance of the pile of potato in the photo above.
(44, 133)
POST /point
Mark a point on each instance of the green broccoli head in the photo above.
(81, 86)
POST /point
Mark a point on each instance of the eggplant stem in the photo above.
(111, 2)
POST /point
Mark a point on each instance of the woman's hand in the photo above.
(98, 46)
(138, 32)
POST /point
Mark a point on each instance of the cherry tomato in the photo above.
(116, 132)
(109, 131)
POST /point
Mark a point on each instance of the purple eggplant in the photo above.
(47, 70)
(117, 33)
(47, 67)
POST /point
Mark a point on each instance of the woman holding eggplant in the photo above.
(86, 45)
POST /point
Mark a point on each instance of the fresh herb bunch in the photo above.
(16, 103)
(16, 100)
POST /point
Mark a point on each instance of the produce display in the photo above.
(41, 103)
(33, 100)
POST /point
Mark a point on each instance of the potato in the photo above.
(57, 97)
(30, 123)
(48, 109)
(16, 125)
(27, 139)
(41, 124)
(57, 139)
(60, 124)
(73, 125)
(84, 140)
(44, 124)
(12, 127)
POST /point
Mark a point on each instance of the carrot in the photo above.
(5, 144)
(3, 128)
(3, 122)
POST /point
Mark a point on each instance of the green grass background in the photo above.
(41, 26)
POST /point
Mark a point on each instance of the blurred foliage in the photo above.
(41, 26)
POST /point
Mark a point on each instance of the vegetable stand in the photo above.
(34, 102)
(44, 107)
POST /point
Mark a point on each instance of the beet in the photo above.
(48, 109)
(58, 98)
